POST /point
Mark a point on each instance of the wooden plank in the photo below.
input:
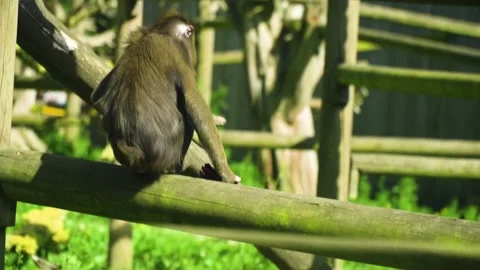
(8, 36)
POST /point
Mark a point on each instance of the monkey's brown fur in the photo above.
(151, 106)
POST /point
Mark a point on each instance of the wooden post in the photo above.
(8, 37)
(336, 113)
(354, 182)
(206, 49)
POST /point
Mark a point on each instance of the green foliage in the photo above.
(81, 147)
(219, 100)
(249, 172)
(404, 196)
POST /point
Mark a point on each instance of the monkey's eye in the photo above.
(189, 31)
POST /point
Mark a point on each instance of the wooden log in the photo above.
(228, 57)
(419, 19)
(8, 35)
(206, 49)
(109, 190)
(41, 83)
(421, 45)
(255, 139)
(336, 113)
(416, 146)
(412, 81)
(417, 166)
(380, 252)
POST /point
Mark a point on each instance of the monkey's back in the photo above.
(146, 120)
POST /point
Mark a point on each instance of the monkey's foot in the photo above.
(208, 172)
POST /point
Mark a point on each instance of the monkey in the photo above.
(151, 105)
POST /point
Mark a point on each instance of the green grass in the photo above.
(154, 248)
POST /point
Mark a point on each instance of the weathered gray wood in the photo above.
(336, 113)
(8, 35)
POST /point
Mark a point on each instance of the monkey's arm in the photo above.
(202, 119)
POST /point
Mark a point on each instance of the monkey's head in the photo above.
(177, 26)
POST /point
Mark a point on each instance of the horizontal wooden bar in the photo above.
(412, 81)
(417, 165)
(113, 191)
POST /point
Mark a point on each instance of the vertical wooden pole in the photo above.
(8, 37)
(206, 49)
(74, 109)
(354, 182)
(336, 113)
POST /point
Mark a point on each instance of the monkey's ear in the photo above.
(99, 96)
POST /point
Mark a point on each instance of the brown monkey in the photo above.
(151, 106)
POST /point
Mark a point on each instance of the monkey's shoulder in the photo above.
(136, 35)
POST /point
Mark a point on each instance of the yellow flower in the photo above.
(25, 243)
